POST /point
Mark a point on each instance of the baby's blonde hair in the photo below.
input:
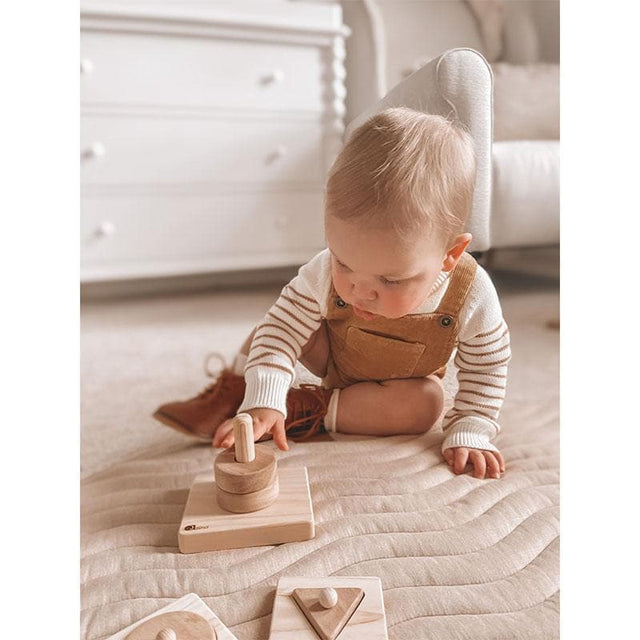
(405, 171)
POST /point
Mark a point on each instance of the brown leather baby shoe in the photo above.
(201, 415)
(306, 409)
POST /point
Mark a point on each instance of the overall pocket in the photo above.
(369, 356)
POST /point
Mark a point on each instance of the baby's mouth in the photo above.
(361, 313)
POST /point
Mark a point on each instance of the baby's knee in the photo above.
(427, 405)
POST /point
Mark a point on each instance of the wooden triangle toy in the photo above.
(328, 610)
(363, 595)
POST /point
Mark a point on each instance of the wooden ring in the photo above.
(245, 477)
(248, 502)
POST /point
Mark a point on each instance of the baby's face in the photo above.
(377, 274)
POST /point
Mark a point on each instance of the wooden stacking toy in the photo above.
(247, 478)
(249, 502)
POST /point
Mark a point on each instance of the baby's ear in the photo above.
(457, 247)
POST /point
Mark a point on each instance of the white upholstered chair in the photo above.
(510, 106)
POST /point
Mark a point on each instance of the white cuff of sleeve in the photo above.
(473, 433)
(266, 389)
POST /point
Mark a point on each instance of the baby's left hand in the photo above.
(485, 463)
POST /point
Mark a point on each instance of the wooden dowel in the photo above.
(243, 435)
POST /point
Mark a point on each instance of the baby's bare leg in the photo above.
(315, 354)
(391, 407)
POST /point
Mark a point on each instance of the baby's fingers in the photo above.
(280, 435)
(260, 427)
(498, 455)
(223, 436)
(493, 466)
(479, 463)
(448, 456)
(461, 457)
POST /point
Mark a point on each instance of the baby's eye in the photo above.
(390, 282)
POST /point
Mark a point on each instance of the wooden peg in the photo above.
(328, 598)
(243, 435)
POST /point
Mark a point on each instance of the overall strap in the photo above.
(459, 285)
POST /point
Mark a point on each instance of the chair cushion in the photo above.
(526, 101)
(526, 193)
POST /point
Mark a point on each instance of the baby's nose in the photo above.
(364, 291)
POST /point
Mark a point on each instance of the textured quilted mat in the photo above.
(458, 557)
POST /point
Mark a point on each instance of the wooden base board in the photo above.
(206, 526)
(367, 623)
(190, 602)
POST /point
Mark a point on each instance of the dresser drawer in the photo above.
(156, 235)
(177, 71)
(129, 150)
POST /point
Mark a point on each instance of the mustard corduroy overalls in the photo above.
(414, 346)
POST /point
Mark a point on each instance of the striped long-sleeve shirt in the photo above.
(481, 358)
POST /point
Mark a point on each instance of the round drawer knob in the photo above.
(86, 66)
(105, 229)
(276, 76)
(167, 634)
(277, 154)
(96, 150)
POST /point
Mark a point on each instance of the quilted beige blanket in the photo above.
(458, 557)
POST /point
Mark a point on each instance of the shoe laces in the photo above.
(310, 406)
(223, 380)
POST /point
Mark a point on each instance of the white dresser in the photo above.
(207, 131)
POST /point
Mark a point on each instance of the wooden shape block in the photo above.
(368, 622)
(245, 477)
(206, 526)
(243, 437)
(248, 502)
(185, 625)
(191, 602)
(328, 622)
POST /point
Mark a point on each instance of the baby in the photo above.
(379, 313)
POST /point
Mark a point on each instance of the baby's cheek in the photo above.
(338, 283)
(412, 299)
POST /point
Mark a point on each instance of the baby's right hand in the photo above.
(264, 421)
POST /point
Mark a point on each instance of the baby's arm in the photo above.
(278, 341)
(482, 359)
